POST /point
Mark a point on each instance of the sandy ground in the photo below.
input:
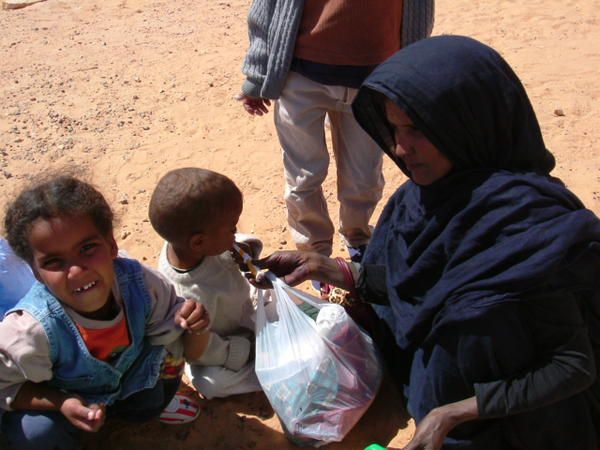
(121, 91)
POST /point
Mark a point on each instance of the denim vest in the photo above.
(74, 368)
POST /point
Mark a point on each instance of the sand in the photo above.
(121, 91)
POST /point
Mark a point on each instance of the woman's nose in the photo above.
(400, 150)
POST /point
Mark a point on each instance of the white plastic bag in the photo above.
(15, 278)
(319, 376)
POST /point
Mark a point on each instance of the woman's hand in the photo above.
(432, 430)
(255, 106)
(430, 433)
(87, 418)
(294, 267)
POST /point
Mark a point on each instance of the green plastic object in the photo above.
(374, 447)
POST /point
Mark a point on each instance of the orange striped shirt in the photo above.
(106, 343)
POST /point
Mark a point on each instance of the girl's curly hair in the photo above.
(62, 195)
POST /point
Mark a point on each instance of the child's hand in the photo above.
(255, 106)
(87, 418)
(192, 317)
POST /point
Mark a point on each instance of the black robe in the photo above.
(492, 272)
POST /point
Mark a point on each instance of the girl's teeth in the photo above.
(86, 287)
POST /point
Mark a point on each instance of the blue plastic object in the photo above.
(15, 278)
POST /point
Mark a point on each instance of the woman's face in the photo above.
(424, 162)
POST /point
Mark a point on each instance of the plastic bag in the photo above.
(15, 278)
(319, 376)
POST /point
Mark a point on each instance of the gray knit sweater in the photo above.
(272, 29)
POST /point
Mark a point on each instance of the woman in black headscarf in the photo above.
(484, 267)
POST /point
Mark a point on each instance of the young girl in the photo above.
(88, 340)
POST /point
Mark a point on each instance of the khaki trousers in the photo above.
(300, 122)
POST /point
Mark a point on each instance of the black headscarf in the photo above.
(464, 97)
(498, 228)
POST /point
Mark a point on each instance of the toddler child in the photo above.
(88, 339)
(196, 211)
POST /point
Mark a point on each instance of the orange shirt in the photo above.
(106, 343)
(349, 32)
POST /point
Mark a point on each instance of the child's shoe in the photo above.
(181, 409)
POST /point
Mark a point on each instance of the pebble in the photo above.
(559, 112)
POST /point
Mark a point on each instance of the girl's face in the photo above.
(425, 163)
(75, 261)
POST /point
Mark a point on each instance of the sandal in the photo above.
(181, 409)
(323, 289)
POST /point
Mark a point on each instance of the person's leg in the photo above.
(359, 172)
(299, 120)
(147, 404)
(219, 382)
(32, 430)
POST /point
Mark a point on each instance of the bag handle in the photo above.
(303, 296)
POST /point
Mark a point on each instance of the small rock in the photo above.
(283, 242)
(124, 201)
(16, 4)
(182, 98)
(125, 234)
(559, 112)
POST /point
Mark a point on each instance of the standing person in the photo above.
(484, 268)
(88, 339)
(312, 55)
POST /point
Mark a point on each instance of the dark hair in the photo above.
(58, 196)
(187, 200)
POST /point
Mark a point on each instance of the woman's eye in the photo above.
(413, 130)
